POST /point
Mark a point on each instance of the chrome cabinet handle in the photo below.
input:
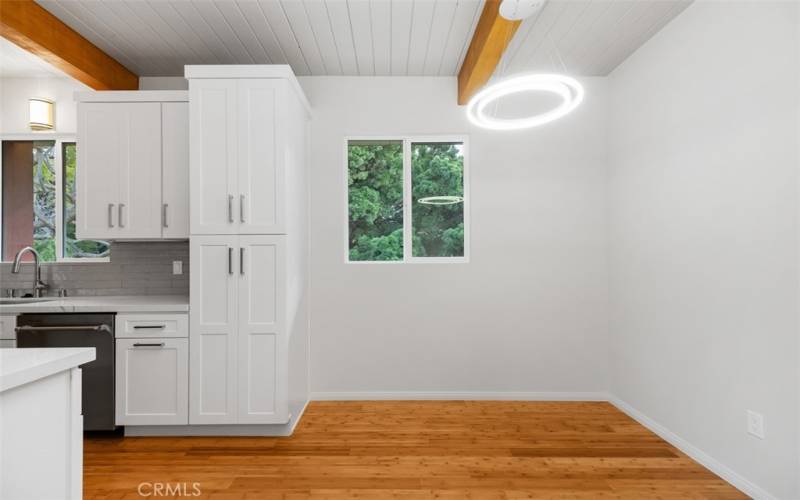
(230, 208)
(241, 261)
(110, 215)
(148, 327)
(164, 215)
(119, 215)
(148, 344)
(230, 260)
(241, 207)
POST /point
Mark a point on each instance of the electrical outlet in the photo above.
(177, 267)
(755, 424)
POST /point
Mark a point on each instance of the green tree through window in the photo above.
(376, 200)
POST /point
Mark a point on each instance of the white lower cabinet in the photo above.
(238, 342)
(152, 381)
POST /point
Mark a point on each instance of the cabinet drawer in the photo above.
(152, 381)
(7, 324)
(152, 325)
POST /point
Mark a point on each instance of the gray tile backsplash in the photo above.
(136, 268)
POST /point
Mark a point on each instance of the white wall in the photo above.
(528, 313)
(14, 95)
(703, 196)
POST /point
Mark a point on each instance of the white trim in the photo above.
(132, 96)
(283, 71)
(458, 396)
(406, 141)
(696, 454)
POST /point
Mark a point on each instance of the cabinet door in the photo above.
(261, 109)
(175, 169)
(213, 156)
(103, 144)
(212, 330)
(261, 342)
(152, 381)
(139, 209)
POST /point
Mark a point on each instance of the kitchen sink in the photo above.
(26, 300)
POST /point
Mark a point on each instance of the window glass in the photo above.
(44, 200)
(437, 180)
(31, 192)
(375, 200)
(73, 247)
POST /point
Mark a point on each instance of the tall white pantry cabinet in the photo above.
(248, 141)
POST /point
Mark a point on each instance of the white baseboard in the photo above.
(457, 396)
(706, 460)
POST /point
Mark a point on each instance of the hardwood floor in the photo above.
(415, 449)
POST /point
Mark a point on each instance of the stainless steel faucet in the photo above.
(38, 285)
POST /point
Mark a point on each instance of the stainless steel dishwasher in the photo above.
(79, 330)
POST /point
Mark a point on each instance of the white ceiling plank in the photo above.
(601, 31)
(128, 23)
(420, 35)
(339, 19)
(468, 12)
(536, 39)
(166, 33)
(204, 31)
(441, 25)
(627, 45)
(358, 37)
(297, 16)
(95, 31)
(317, 14)
(263, 31)
(183, 30)
(402, 12)
(212, 15)
(381, 18)
(244, 33)
(276, 17)
(361, 26)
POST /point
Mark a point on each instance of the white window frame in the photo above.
(407, 140)
(59, 140)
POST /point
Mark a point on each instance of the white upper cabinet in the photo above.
(119, 170)
(213, 156)
(175, 170)
(132, 166)
(261, 168)
(238, 149)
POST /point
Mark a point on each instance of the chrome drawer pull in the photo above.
(154, 344)
(140, 327)
(110, 215)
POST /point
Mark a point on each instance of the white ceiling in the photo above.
(357, 37)
(16, 62)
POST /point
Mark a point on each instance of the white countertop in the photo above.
(121, 303)
(21, 366)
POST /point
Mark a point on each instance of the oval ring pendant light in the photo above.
(440, 200)
(569, 90)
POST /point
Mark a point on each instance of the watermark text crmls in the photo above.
(159, 489)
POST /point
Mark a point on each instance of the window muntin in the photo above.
(406, 200)
(38, 206)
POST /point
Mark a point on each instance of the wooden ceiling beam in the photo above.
(29, 25)
(491, 37)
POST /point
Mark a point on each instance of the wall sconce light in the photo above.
(41, 114)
